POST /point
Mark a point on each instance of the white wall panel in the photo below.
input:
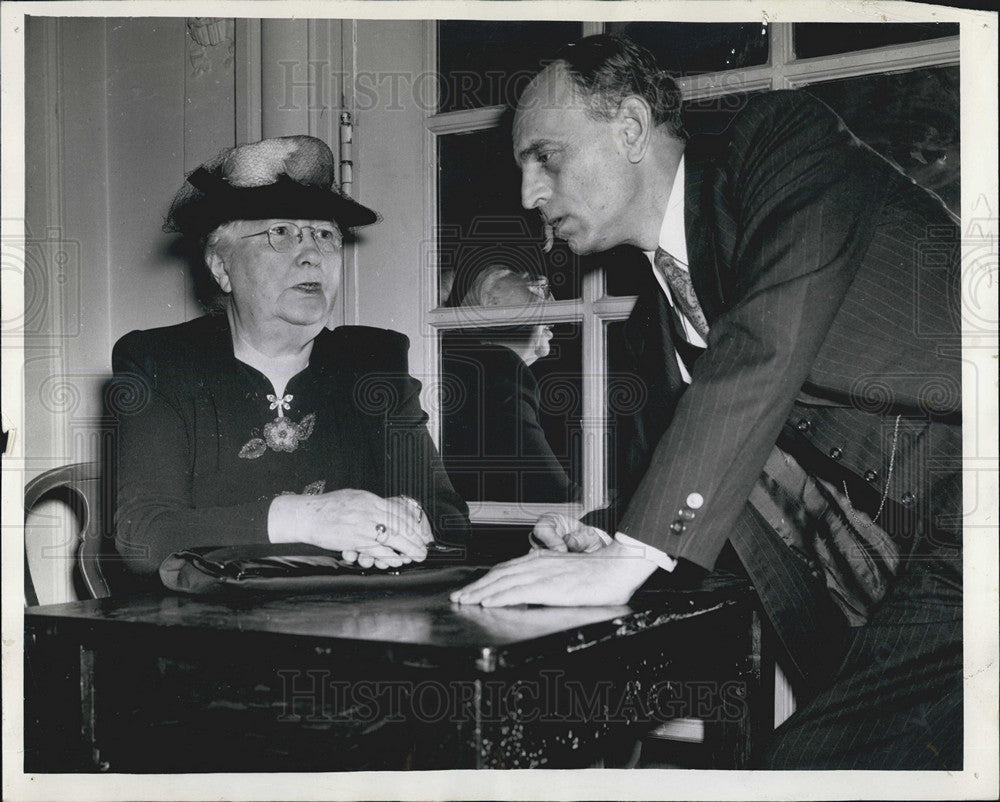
(146, 143)
(287, 83)
(66, 338)
(389, 169)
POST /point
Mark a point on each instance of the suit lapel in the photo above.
(649, 337)
(700, 174)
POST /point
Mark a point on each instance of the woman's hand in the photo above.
(403, 510)
(363, 526)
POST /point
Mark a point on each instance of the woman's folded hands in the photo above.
(364, 527)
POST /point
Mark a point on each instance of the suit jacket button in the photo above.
(803, 425)
(836, 453)
(695, 500)
(677, 527)
(871, 476)
(908, 498)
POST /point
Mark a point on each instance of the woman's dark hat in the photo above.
(289, 177)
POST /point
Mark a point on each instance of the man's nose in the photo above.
(534, 189)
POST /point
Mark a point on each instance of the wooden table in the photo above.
(393, 678)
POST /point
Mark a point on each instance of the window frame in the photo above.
(595, 308)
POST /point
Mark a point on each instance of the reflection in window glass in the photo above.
(911, 118)
(487, 63)
(479, 210)
(826, 38)
(510, 430)
(690, 48)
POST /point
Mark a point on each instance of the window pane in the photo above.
(484, 63)
(627, 398)
(626, 269)
(689, 48)
(713, 114)
(510, 432)
(480, 213)
(911, 118)
(492, 543)
(826, 38)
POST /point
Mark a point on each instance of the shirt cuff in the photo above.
(661, 558)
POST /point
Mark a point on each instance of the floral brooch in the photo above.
(281, 434)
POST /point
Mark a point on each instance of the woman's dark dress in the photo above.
(202, 451)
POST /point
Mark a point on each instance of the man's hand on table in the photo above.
(609, 575)
(512, 622)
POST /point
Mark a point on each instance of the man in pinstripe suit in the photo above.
(799, 340)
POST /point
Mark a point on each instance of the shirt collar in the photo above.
(672, 238)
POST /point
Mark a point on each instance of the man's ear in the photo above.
(217, 267)
(636, 120)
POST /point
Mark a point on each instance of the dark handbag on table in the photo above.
(297, 567)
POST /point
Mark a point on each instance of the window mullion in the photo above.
(893, 58)
(594, 424)
(465, 121)
(471, 317)
(509, 512)
(782, 54)
(429, 267)
(717, 84)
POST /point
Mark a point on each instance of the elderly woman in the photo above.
(260, 424)
(493, 443)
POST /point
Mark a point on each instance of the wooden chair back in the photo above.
(79, 486)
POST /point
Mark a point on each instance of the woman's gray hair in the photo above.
(491, 280)
(220, 238)
(217, 241)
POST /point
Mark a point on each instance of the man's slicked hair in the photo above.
(608, 68)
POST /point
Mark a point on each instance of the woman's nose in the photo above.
(307, 252)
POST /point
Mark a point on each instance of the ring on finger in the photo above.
(381, 533)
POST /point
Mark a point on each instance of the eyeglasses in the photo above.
(283, 237)
(540, 288)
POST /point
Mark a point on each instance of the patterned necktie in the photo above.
(679, 281)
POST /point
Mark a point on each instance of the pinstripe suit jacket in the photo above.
(831, 285)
